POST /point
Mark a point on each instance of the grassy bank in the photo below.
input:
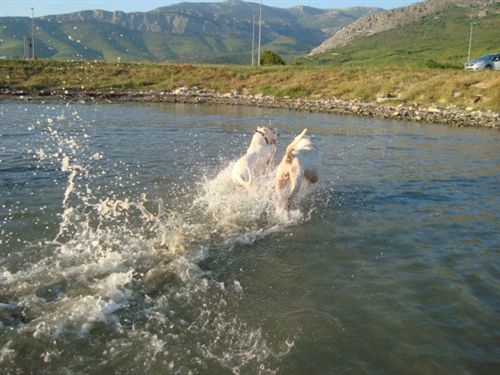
(477, 90)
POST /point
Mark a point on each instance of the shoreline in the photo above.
(450, 115)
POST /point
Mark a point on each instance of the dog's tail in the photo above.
(291, 146)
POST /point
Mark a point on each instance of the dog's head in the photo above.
(270, 136)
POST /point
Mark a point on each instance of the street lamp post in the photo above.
(253, 38)
(33, 33)
(260, 33)
(470, 40)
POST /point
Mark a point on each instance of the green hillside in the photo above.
(438, 40)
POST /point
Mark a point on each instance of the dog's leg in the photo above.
(295, 184)
(238, 179)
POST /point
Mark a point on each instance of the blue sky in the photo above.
(45, 7)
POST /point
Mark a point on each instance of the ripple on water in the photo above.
(125, 248)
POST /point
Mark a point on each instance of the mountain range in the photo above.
(432, 32)
(200, 32)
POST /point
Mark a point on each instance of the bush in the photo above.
(271, 58)
(432, 64)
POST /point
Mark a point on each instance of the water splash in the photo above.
(242, 216)
(123, 269)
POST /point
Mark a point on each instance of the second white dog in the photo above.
(301, 162)
(259, 155)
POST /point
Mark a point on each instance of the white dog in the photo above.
(301, 162)
(259, 155)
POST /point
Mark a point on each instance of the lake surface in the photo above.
(126, 249)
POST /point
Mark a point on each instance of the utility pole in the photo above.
(1, 27)
(260, 32)
(33, 33)
(253, 38)
(470, 40)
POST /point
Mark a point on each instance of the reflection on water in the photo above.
(125, 248)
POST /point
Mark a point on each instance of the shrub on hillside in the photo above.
(271, 58)
(432, 64)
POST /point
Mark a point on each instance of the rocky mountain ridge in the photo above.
(391, 19)
(214, 18)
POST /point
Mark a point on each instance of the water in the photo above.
(126, 249)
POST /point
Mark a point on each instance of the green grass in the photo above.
(423, 86)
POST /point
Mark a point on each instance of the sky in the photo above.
(46, 7)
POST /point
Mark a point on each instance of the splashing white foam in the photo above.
(242, 216)
(120, 259)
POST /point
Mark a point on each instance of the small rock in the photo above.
(181, 91)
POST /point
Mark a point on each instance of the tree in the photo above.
(271, 58)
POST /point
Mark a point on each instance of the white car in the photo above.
(486, 62)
